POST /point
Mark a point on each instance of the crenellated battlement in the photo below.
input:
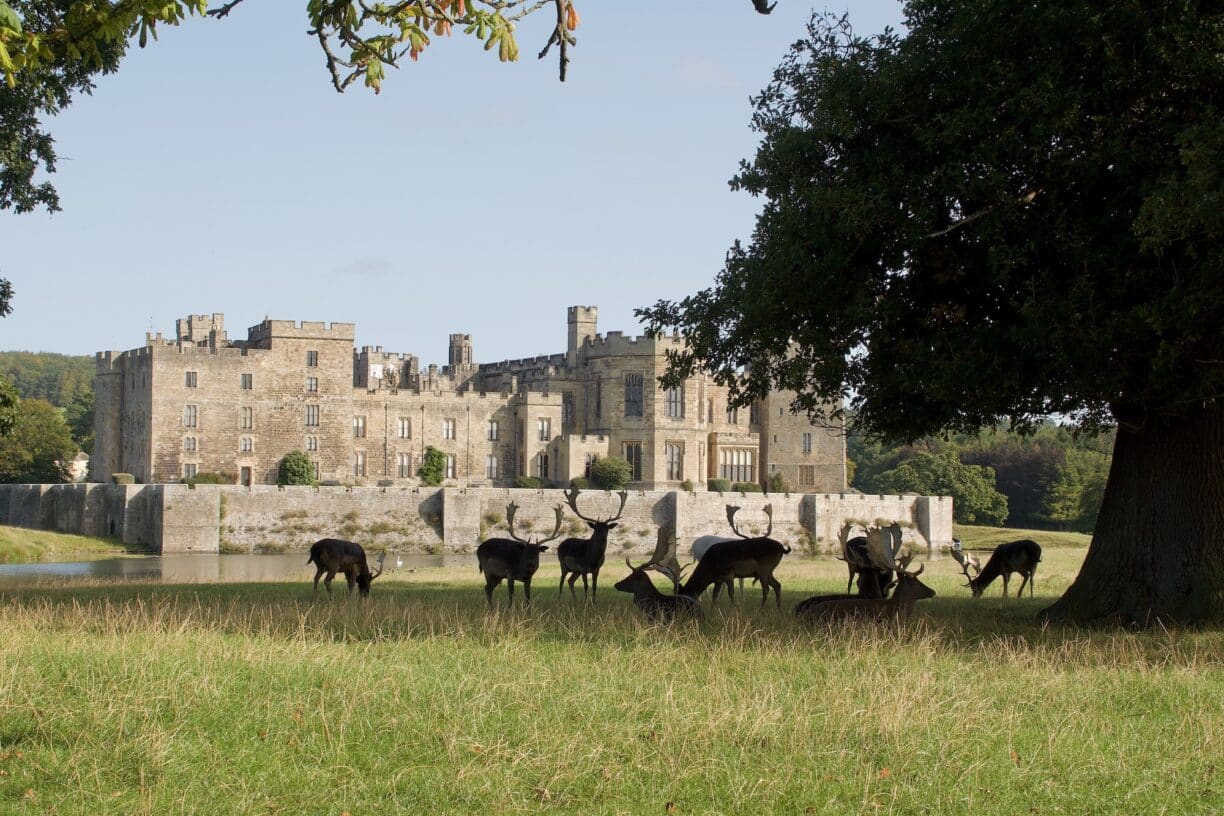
(270, 330)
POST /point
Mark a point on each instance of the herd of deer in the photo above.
(876, 559)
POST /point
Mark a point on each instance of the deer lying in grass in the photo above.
(755, 557)
(512, 559)
(883, 546)
(1015, 556)
(646, 596)
(332, 555)
(585, 556)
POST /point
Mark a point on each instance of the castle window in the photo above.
(491, 466)
(633, 395)
(359, 464)
(544, 426)
(359, 427)
(448, 429)
(246, 382)
(248, 418)
(190, 416)
(403, 465)
(405, 427)
(591, 459)
(732, 415)
(189, 471)
(493, 432)
(316, 471)
(737, 464)
(312, 416)
(754, 414)
(450, 466)
(710, 411)
(599, 399)
(633, 455)
(674, 400)
(312, 443)
(542, 465)
(189, 443)
(807, 443)
(191, 379)
(312, 384)
(807, 475)
(312, 359)
(673, 452)
(567, 409)
(245, 445)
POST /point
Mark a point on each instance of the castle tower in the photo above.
(460, 351)
(582, 322)
(199, 329)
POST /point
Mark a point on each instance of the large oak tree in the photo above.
(1011, 211)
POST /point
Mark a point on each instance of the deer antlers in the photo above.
(883, 547)
(965, 559)
(732, 510)
(381, 559)
(512, 508)
(571, 497)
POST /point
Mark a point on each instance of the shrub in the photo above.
(718, 485)
(433, 467)
(529, 482)
(209, 477)
(687, 485)
(777, 483)
(611, 473)
(580, 482)
(122, 478)
(295, 469)
(746, 487)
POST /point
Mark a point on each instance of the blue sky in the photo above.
(218, 171)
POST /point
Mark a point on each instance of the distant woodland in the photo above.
(62, 380)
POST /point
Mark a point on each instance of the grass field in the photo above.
(260, 699)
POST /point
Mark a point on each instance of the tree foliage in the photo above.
(972, 487)
(1010, 211)
(9, 401)
(39, 447)
(295, 469)
(64, 381)
(433, 467)
(611, 473)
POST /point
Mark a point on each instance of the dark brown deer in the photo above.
(659, 607)
(512, 559)
(749, 557)
(872, 582)
(332, 555)
(883, 545)
(585, 556)
(1015, 556)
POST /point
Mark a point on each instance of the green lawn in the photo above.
(989, 537)
(18, 544)
(260, 699)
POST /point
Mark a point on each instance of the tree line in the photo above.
(48, 402)
(1050, 479)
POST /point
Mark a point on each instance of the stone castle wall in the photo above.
(211, 518)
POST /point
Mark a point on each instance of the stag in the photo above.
(512, 559)
(332, 555)
(874, 580)
(1015, 556)
(748, 557)
(883, 546)
(585, 556)
(659, 607)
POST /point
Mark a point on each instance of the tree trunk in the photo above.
(1157, 552)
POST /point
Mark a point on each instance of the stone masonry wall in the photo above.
(211, 518)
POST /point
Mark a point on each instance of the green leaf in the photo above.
(9, 18)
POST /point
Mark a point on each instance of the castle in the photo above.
(204, 403)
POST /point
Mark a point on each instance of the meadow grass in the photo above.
(975, 537)
(260, 699)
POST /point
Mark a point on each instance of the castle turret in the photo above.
(582, 324)
(460, 351)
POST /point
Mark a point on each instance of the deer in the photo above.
(883, 547)
(585, 556)
(512, 559)
(748, 557)
(332, 555)
(657, 606)
(1015, 556)
(872, 582)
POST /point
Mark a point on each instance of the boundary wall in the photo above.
(266, 518)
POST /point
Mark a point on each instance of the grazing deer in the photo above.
(332, 555)
(755, 557)
(883, 546)
(872, 582)
(1015, 556)
(585, 556)
(512, 559)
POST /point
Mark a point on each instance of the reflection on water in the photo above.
(203, 567)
